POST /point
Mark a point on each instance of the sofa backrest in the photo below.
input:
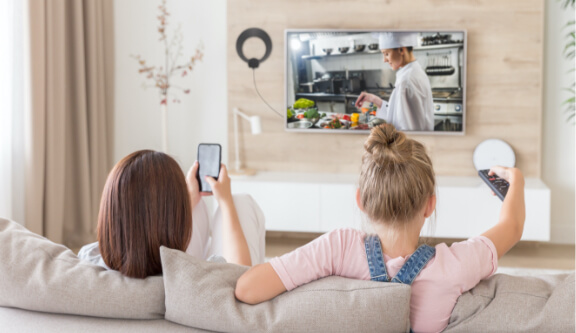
(201, 294)
(507, 303)
(38, 274)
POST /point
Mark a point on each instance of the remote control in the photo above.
(498, 185)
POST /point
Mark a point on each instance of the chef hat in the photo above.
(394, 40)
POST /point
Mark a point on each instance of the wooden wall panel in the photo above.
(504, 79)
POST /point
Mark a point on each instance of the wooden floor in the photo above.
(525, 254)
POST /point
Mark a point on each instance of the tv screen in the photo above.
(351, 80)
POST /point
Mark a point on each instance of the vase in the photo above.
(164, 124)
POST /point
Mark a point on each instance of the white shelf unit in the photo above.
(300, 202)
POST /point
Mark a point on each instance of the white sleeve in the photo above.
(200, 242)
(410, 109)
(416, 114)
(382, 112)
(253, 226)
(91, 254)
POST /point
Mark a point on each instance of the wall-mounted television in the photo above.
(327, 70)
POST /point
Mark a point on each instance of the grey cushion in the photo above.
(505, 303)
(37, 274)
(201, 294)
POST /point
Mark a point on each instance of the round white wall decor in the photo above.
(493, 152)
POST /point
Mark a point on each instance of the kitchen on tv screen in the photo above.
(352, 80)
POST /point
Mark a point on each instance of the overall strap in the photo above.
(414, 264)
(375, 259)
(409, 270)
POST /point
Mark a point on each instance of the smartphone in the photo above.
(209, 159)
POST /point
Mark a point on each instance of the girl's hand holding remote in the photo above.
(510, 175)
(508, 231)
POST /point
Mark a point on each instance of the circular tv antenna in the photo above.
(258, 33)
(493, 152)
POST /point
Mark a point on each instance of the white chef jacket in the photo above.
(410, 107)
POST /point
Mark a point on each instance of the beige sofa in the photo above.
(45, 287)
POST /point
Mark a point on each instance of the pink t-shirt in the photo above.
(451, 272)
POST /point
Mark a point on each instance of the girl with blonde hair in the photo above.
(397, 193)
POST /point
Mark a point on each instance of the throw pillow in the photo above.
(40, 275)
(201, 294)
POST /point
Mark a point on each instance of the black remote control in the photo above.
(496, 184)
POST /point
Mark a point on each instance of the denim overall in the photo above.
(409, 270)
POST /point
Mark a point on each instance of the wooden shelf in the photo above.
(440, 46)
(320, 56)
(368, 52)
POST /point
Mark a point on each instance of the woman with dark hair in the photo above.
(147, 202)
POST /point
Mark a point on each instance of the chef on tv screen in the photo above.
(354, 80)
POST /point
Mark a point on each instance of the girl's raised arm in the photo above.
(508, 231)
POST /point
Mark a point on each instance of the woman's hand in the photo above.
(193, 187)
(221, 186)
(366, 97)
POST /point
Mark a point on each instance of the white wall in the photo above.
(202, 115)
(558, 134)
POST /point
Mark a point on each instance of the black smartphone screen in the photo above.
(209, 156)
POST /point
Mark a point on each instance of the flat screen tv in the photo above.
(327, 70)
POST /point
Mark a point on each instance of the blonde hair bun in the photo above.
(397, 177)
(388, 145)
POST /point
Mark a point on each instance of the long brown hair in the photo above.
(397, 177)
(145, 204)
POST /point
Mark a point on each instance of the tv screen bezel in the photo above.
(347, 131)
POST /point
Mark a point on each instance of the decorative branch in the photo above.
(160, 75)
